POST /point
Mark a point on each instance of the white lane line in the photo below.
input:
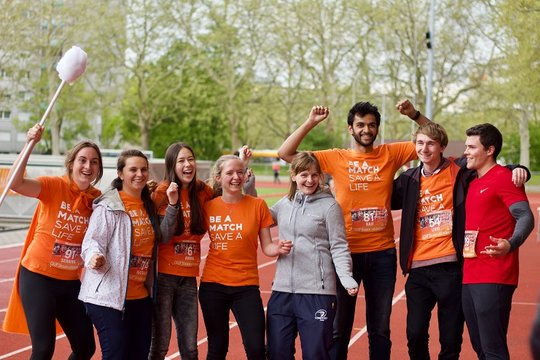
(363, 330)
(9, 260)
(231, 324)
(5, 356)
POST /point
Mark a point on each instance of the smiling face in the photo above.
(85, 167)
(307, 181)
(232, 177)
(478, 158)
(134, 175)
(364, 130)
(428, 150)
(185, 167)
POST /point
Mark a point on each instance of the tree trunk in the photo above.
(524, 143)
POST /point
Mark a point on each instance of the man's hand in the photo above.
(405, 107)
(318, 114)
(519, 176)
(500, 247)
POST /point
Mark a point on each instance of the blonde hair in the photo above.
(303, 161)
(216, 172)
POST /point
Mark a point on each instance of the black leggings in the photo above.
(44, 300)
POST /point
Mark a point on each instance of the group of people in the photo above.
(139, 249)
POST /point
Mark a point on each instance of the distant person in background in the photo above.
(47, 281)
(276, 168)
(119, 253)
(237, 223)
(303, 296)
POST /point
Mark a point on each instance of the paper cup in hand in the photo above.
(72, 65)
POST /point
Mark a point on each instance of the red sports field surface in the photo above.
(525, 302)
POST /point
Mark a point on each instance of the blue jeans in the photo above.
(487, 314)
(217, 301)
(123, 334)
(427, 286)
(377, 271)
(177, 298)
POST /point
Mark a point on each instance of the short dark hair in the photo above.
(489, 136)
(362, 109)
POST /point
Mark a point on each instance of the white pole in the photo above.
(430, 38)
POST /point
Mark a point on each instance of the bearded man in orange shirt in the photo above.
(363, 179)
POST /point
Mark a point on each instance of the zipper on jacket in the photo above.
(103, 277)
(320, 266)
(129, 262)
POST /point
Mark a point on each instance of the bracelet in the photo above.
(416, 116)
(173, 205)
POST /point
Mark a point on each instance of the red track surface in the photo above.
(525, 301)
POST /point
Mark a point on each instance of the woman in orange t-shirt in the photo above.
(118, 250)
(230, 278)
(179, 199)
(47, 281)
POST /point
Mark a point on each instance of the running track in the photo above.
(14, 346)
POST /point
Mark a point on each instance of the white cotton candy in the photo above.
(72, 64)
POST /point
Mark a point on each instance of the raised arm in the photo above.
(405, 107)
(22, 185)
(288, 149)
(245, 155)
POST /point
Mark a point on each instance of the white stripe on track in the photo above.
(5, 356)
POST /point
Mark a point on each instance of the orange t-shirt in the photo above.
(363, 183)
(59, 225)
(181, 256)
(434, 212)
(142, 244)
(234, 232)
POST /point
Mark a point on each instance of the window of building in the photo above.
(5, 114)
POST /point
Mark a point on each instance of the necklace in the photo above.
(426, 173)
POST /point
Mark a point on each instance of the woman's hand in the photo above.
(96, 262)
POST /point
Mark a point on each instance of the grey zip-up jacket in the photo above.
(108, 233)
(314, 223)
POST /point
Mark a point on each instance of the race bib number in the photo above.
(436, 224)
(470, 244)
(138, 267)
(369, 219)
(66, 256)
(187, 253)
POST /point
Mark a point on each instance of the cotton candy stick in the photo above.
(70, 67)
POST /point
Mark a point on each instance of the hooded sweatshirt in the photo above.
(314, 223)
(109, 233)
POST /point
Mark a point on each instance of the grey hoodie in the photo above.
(314, 223)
